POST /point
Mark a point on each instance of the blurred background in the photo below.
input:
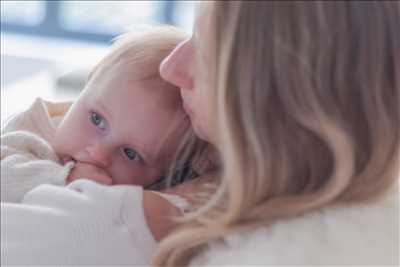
(48, 47)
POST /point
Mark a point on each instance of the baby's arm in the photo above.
(188, 189)
(159, 214)
(83, 170)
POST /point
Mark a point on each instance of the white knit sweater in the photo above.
(27, 158)
(359, 235)
(82, 224)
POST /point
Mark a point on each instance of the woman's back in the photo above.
(362, 235)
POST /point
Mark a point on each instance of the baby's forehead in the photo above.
(166, 95)
(135, 77)
(133, 64)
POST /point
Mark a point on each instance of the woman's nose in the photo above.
(99, 155)
(176, 67)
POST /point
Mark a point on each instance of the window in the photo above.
(106, 16)
(28, 13)
(183, 14)
(91, 20)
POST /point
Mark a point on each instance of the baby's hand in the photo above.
(83, 170)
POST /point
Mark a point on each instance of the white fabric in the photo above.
(84, 223)
(360, 235)
(27, 159)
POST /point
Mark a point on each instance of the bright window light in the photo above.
(27, 13)
(106, 16)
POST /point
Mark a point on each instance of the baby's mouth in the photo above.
(87, 161)
(65, 159)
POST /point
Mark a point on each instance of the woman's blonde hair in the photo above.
(308, 103)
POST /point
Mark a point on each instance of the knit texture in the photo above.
(352, 235)
(84, 223)
(27, 158)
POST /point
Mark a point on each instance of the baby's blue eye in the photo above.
(131, 154)
(97, 120)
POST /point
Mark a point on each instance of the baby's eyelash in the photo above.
(97, 120)
(132, 154)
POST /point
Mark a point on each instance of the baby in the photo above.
(124, 128)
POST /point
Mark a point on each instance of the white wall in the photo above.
(37, 67)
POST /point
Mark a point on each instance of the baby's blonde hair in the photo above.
(141, 52)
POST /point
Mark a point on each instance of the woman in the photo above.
(302, 101)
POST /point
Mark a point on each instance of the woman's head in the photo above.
(190, 67)
(305, 98)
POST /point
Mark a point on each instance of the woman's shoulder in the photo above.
(360, 234)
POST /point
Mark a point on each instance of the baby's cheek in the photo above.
(151, 176)
(152, 180)
(64, 146)
(74, 136)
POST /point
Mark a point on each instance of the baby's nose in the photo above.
(99, 154)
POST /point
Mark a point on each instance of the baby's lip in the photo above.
(91, 163)
(65, 159)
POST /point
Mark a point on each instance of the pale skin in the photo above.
(116, 114)
(158, 211)
(121, 131)
(185, 68)
(91, 171)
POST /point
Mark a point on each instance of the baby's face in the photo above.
(130, 129)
